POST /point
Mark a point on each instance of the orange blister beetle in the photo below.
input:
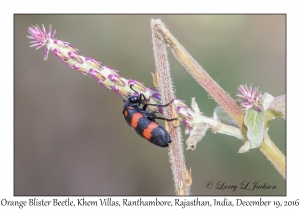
(143, 121)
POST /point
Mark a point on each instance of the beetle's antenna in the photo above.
(133, 89)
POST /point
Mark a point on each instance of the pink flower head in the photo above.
(251, 98)
(41, 37)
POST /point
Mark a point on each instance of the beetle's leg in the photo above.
(162, 118)
(161, 105)
(145, 102)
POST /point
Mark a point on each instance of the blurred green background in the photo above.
(70, 134)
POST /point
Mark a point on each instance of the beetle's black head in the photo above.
(134, 100)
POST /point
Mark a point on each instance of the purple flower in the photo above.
(41, 37)
(251, 98)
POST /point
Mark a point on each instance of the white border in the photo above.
(157, 6)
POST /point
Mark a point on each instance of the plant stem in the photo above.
(165, 87)
(274, 155)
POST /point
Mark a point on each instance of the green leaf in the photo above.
(267, 100)
(276, 109)
(254, 121)
(245, 147)
(278, 105)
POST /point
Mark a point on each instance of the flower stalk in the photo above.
(165, 86)
(274, 155)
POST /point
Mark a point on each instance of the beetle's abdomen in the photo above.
(146, 128)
